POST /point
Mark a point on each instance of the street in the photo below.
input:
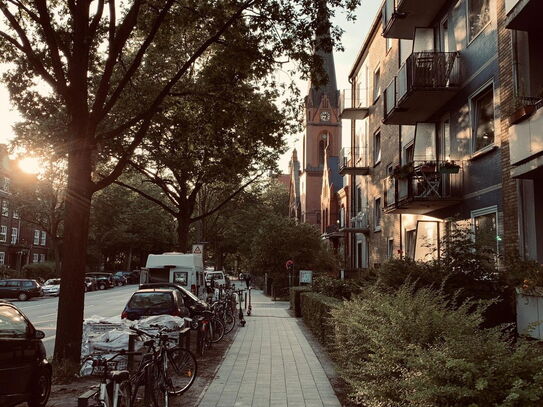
(42, 312)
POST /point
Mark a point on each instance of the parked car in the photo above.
(103, 280)
(90, 284)
(25, 373)
(155, 301)
(132, 277)
(22, 289)
(119, 279)
(217, 276)
(190, 300)
(51, 287)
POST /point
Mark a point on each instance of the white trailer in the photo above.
(180, 268)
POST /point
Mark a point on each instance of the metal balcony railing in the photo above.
(353, 103)
(354, 159)
(362, 220)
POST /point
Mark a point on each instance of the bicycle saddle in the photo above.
(118, 375)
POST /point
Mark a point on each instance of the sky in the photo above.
(353, 37)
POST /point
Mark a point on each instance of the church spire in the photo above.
(324, 51)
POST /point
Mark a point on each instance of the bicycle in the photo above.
(174, 368)
(113, 390)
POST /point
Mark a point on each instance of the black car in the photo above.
(25, 373)
(119, 279)
(191, 301)
(103, 280)
(160, 301)
(21, 289)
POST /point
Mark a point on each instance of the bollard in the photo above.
(130, 362)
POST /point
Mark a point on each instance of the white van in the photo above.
(184, 269)
(217, 276)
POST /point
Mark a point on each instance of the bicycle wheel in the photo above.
(218, 330)
(229, 322)
(125, 394)
(181, 370)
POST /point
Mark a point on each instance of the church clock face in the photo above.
(325, 116)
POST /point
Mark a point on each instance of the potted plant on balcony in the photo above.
(449, 167)
(428, 167)
(402, 171)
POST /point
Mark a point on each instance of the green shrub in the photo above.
(334, 287)
(316, 314)
(6, 272)
(295, 299)
(44, 270)
(410, 348)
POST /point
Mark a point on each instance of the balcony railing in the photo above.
(401, 17)
(427, 187)
(526, 138)
(353, 104)
(354, 160)
(425, 82)
(360, 223)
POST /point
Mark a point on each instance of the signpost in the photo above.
(306, 276)
(290, 267)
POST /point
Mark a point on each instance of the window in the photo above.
(42, 258)
(3, 233)
(377, 214)
(14, 235)
(2, 257)
(15, 214)
(376, 84)
(43, 238)
(410, 239)
(5, 207)
(483, 119)
(35, 258)
(6, 184)
(358, 199)
(388, 42)
(390, 248)
(36, 237)
(12, 323)
(322, 147)
(478, 16)
(377, 148)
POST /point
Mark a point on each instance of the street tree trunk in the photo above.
(76, 220)
(183, 227)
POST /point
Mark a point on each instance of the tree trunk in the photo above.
(76, 226)
(128, 265)
(183, 227)
(56, 249)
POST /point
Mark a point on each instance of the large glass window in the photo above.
(3, 233)
(377, 148)
(483, 119)
(376, 84)
(486, 231)
(377, 214)
(478, 16)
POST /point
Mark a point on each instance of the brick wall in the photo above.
(507, 100)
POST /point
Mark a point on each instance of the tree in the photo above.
(94, 55)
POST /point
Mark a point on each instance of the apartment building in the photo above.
(425, 130)
(521, 67)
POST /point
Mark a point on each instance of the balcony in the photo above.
(526, 139)
(353, 104)
(424, 84)
(425, 188)
(359, 223)
(354, 161)
(523, 15)
(401, 17)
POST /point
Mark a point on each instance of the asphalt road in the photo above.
(42, 312)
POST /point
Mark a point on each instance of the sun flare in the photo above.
(30, 165)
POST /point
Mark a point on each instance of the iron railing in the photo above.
(427, 181)
(353, 99)
(423, 71)
(353, 157)
(361, 220)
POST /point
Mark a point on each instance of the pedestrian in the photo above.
(247, 280)
(240, 276)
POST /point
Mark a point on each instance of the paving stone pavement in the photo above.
(270, 364)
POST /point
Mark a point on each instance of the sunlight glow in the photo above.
(30, 165)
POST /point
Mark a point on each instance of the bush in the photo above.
(334, 287)
(316, 314)
(295, 299)
(411, 348)
(44, 270)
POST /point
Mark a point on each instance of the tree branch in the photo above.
(228, 199)
(147, 196)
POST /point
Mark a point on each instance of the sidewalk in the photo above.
(270, 364)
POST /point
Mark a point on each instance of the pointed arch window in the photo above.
(322, 146)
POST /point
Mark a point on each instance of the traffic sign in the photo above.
(289, 265)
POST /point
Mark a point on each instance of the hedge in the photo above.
(295, 299)
(316, 310)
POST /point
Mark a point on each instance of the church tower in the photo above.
(323, 132)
